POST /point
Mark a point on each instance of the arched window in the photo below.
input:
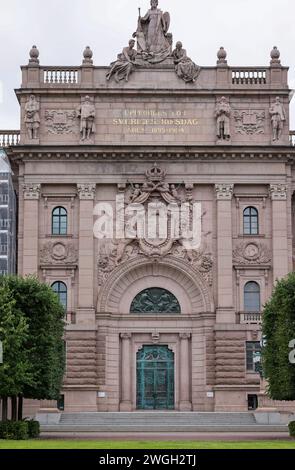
(59, 221)
(252, 297)
(251, 223)
(61, 290)
(155, 300)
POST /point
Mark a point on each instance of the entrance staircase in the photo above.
(159, 422)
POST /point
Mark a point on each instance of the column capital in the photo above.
(31, 191)
(278, 192)
(184, 336)
(86, 191)
(125, 336)
(224, 192)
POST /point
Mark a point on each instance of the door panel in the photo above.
(155, 378)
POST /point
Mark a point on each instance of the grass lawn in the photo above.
(80, 444)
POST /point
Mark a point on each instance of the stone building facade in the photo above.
(151, 323)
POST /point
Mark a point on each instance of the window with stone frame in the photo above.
(252, 297)
(59, 221)
(61, 290)
(251, 221)
(253, 356)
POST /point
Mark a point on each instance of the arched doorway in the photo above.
(155, 378)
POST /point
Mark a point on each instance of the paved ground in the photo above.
(126, 436)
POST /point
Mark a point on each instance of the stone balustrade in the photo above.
(250, 318)
(9, 138)
(87, 75)
(250, 76)
(60, 75)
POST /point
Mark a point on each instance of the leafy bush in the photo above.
(292, 428)
(279, 330)
(14, 430)
(33, 428)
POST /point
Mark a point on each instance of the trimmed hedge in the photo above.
(292, 428)
(14, 430)
(19, 430)
(33, 428)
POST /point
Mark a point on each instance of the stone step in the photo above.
(154, 418)
(164, 429)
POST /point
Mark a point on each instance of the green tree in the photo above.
(45, 318)
(279, 330)
(16, 372)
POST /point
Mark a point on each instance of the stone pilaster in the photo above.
(278, 195)
(225, 311)
(125, 404)
(185, 373)
(31, 193)
(86, 311)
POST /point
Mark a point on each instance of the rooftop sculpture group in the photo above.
(154, 45)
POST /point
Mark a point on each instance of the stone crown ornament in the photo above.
(155, 173)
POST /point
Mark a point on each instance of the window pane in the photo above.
(59, 221)
(252, 297)
(253, 353)
(61, 290)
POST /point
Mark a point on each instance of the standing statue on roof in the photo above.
(152, 34)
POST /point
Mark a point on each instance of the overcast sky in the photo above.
(248, 29)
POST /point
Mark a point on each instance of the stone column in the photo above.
(125, 404)
(86, 311)
(31, 228)
(225, 311)
(185, 373)
(278, 194)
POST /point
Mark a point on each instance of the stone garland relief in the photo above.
(251, 253)
(58, 253)
(155, 189)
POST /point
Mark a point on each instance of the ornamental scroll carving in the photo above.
(58, 253)
(157, 191)
(251, 253)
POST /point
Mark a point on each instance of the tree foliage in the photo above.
(279, 330)
(44, 319)
(16, 372)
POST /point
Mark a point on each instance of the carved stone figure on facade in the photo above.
(125, 63)
(32, 117)
(184, 66)
(278, 118)
(223, 115)
(86, 113)
(153, 39)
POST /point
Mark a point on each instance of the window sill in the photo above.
(58, 236)
(251, 236)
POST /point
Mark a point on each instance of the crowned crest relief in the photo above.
(153, 198)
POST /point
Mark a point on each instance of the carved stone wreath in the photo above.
(56, 253)
(251, 253)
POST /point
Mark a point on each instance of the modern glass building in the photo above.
(7, 218)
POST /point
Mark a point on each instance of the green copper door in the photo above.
(155, 378)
